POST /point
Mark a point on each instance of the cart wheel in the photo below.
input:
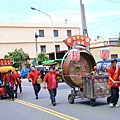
(71, 99)
(108, 100)
(92, 102)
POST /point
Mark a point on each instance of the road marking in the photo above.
(52, 112)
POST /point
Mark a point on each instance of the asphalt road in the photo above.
(26, 107)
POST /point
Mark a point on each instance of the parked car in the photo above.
(24, 72)
(107, 63)
(44, 68)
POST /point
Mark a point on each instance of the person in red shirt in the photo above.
(18, 79)
(9, 80)
(113, 82)
(33, 76)
(50, 79)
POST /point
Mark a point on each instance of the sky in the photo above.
(102, 16)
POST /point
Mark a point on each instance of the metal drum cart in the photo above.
(93, 88)
(78, 72)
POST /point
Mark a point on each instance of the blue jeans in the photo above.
(36, 88)
(114, 95)
(53, 93)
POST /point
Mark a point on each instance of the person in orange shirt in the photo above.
(33, 76)
(18, 79)
(113, 82)
(9, 80)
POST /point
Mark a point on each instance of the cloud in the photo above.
(71, 16)
(69, 3)
(103, 14)
(95, 16)
(90, 1)
(57, 17)
(10, 17)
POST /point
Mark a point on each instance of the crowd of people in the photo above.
(12, 81)
(51, 82)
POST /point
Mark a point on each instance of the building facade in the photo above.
(111, 43)
(22, 35)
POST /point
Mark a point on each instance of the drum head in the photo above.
(39, 81)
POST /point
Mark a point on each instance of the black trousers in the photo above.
(114, 95)
(10, 92)
(16, 87)
(36, 88)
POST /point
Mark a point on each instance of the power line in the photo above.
(114, 1)
(47, 7)
(105, 24)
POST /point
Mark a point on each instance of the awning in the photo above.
(49, 62)
(57, 60)
(4, 69)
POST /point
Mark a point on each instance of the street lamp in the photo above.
(36, 36)
(52, 28)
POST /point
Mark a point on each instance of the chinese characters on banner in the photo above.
(104, 53)
(78, 39)
(5, 61)
(75, 55)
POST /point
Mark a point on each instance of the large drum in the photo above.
(74, 71)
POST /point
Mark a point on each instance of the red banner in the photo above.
(104, 53)
(5, 61)
(78, 40)
(75, 55)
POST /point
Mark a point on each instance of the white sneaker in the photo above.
(117, 106)
(111, 105)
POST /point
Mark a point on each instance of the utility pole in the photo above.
(83, 17)
(83, 20)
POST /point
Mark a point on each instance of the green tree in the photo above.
(41, 57)
(19, 57)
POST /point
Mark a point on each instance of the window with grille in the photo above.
(41, 33)
(68, 33)
(55, 33)
(113, 42)
(57, 48)
(43, 48)
(114, 56)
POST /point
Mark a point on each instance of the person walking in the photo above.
(113, 82)
(51, 82)
(19, 82)
(42, 73)
(9, 81)
(33, 76)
